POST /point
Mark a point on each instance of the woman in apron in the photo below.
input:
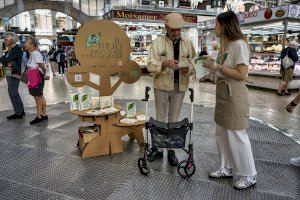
(232, 104)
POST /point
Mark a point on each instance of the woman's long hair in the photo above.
(230, 26)
(231, 31)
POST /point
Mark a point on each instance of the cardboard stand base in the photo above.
(111, 131)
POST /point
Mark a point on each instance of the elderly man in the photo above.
(12, 62)
(171, 61)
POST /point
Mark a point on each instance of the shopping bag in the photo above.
(34, 78)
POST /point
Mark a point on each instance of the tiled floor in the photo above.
(42, 162)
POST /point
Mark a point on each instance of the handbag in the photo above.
(24, 78)
(287, 61)
(34, 78)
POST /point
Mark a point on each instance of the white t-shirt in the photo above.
(238, 53)
(35, 59)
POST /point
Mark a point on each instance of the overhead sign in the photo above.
(294, 11)
(266, 14)
(121, 14)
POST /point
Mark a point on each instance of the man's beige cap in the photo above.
(174, 21)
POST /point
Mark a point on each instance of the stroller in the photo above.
(169, 135)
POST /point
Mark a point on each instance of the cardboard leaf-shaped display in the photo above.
(103, 48)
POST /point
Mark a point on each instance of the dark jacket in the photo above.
(13, 56)
(292, 54)
(203, 53)
(57, 52)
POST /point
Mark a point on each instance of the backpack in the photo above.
(61, 57)
(286, 61)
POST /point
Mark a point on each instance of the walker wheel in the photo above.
(186, 169)
(143, 167)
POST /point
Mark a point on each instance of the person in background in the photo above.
(232, 104)
(12, 62)
(287, 74)
(290, 108)
(166, 55)
(204, 51)
(25, 56)
(35, 61)
(46, 58)
(60, 59)
(52, 59)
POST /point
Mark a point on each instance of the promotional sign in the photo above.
(294, 11)
(266, 14)
(103, 49)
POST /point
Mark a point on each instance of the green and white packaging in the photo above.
(130, 109)
(106, 102)
(74, 101)
(84, 102)
(95, 101)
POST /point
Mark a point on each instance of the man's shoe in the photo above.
(245, 182)
(36, 120)
(280, 93)
(295, 161)
(172, 158)
(16, 116)
(154, 155)
(44, 117)
(221, 173)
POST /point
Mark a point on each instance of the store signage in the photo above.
(294, 11)
(120, 14)
(268, 14)
(6, 20)
(280, 13)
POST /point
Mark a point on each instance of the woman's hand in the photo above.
(212, 66)
(217, 68)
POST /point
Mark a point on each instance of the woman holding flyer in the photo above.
(232, 104)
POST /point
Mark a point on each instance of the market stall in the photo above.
(142, 27)
(266, 31)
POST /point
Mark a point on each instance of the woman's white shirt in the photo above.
(35, 59)
(238, 53)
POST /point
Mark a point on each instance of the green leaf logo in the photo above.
(93, 40)
(134, 73)
(130, 106)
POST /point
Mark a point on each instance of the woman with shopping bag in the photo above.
(35, 74)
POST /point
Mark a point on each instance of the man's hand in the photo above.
(185, 70)
(172, 64)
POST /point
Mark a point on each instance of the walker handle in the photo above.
(192, 94)
(147, 89)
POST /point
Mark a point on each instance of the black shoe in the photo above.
(280, 93)
(16, 116)
(44, 117)
(36, 120)
(155, 154)
(172, 158)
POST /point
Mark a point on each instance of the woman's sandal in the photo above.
(290, 107)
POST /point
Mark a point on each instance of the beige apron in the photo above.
(232, 104)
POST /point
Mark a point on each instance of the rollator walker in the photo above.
(169, 135)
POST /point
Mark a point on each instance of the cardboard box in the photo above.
(88, 133)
